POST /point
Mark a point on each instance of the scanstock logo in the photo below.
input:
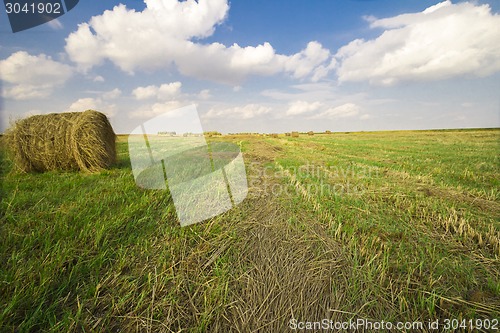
(26, 14)
(205, 179)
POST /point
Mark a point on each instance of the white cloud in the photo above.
(98, 78)
(443, 41)
(26, 91)
(238, 112)
(167, 33)
(168, 91)
(142, 93)
(149, 111)
(308, 61)
(156, 37)
(164, 92)
(97, 104)
(32, 76)
(323, 70)
(326, 92)
(23, 68)
(112, 94)
(300, 107)
(83, 104)
(205, 94)
(342, 111)
(369, 18)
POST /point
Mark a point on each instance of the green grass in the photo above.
(411, 218)
(417, 213)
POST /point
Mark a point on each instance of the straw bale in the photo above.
(62, 141)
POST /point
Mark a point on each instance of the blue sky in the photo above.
(262, 66)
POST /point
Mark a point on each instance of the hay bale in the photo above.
(328, 132)
(310, 133)
(287, 134)
(273, 135)
(295, 134)
(62, 141)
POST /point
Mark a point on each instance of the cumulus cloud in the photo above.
(167, 95)
(30, 76)
(239, 112)
(300, 107)
(342, 111)
(163, 92)
(27, 91)
(310, 60)
(112, 94)
(142, 93)
(443, 41)
(167, 33)
(90, 103)
(150, 111)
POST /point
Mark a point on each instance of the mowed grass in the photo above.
(417, 211)
(394, 226)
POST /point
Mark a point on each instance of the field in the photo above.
(393, 226)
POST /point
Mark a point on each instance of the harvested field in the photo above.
(393, 226)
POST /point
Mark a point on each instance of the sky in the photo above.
(262, 66)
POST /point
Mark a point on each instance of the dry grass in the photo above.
(62, 141)
(286, 273)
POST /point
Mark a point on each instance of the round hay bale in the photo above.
(62, 141)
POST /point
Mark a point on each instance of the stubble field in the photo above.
(393, 226)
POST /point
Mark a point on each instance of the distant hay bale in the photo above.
(62, 141)
(274, 135)
(287, 134)
(295, 134)
(310, 133)
(328, 132)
